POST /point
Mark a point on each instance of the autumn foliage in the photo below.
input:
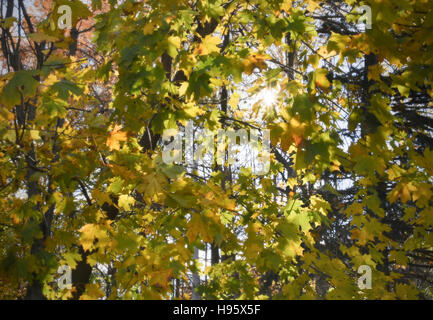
(83, 184)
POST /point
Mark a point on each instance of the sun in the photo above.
(268, 96)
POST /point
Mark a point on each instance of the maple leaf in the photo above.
(92, 232)
(160, 278)
(362, 236)
(321, 80)
(168, 67)
(116, 136)
(125, 202)
(254, 61)
(296, 130)
(208, 45)
(93, 292)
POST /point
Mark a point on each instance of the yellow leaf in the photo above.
(93, 292)
(402, 190)
(426, 217)
(208, 45)
(395, 172)
(151, 187)
(92, 234)
(355, 208)
(183, 87)
(406, 292)
(195, 226)
(296, 129)
(160, 278)
(175, 41)
(150, 27)
(325, 54)
(34, 134)
(113, 141)
(399, 257)
(193, 111)
(362, 236)
(286, 5)
(173, 44)
(321, 80)
(374, 72)
(234, 101)
(312, 6)
(255, 61)
(125, 202)
(423, 191)
(293, 249)
(101, 197)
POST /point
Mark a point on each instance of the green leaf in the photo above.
(23, 84)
